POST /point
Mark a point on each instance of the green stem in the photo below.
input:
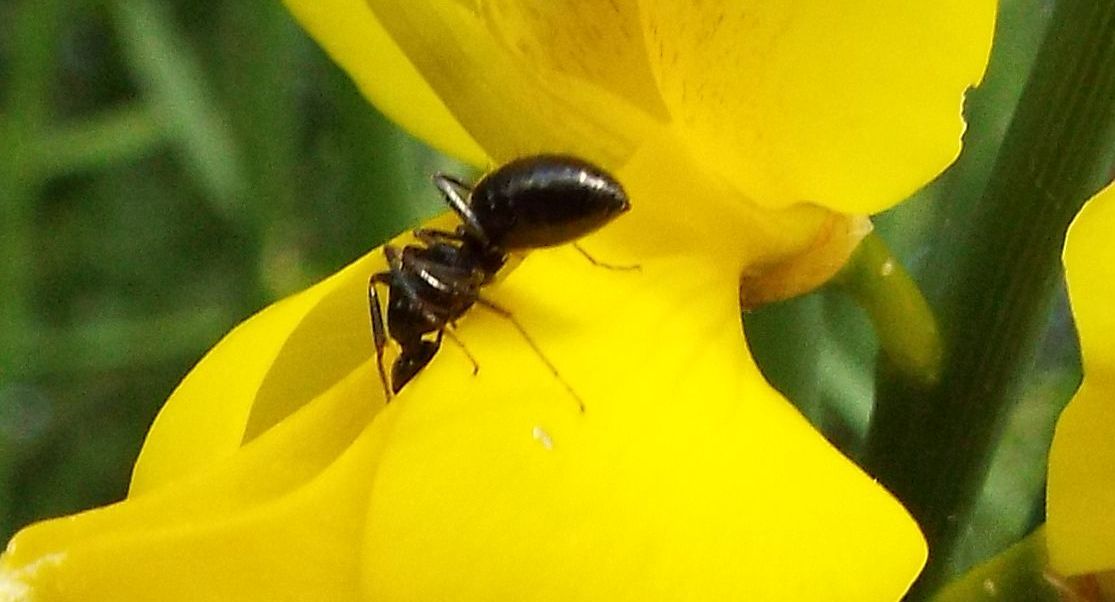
(903, 321)
(931, 445)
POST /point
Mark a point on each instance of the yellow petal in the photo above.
(852, 105)
(686, 477)
(353, 37)
(598, 42)
(790, 104)
(276, 521)
(1081, 490)
(258, 375)
(509, 104)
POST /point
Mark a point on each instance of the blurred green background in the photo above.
(166, 170)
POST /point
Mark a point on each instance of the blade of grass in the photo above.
(256, 46)
(174, 82)
(116, 136)
(25, 108)
(107, 345)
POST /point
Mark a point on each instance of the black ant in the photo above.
(529, 203)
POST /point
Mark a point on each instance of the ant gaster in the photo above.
(529, 203)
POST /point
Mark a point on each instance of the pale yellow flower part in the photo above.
(1081, 489)
(686, 477)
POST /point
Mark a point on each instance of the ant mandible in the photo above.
(533, 202)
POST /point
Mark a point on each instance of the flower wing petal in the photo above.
(686, 472)
(1081, 490)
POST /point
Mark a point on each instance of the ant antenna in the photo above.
(451, 189)
(601, 264)
(496, 309)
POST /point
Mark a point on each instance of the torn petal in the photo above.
(851, 105)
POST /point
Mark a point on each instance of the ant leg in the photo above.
(461, 343)
(431, 236)
(444, 181)
(601, 264)
(451, 189)
(453, 337)
(507, 315)
(379, 329)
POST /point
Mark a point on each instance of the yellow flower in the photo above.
(743, 134)
(1081, 491)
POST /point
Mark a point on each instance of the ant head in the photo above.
(410, 362)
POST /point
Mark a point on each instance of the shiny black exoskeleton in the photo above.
(529, 203)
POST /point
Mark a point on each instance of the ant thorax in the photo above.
(513, 260)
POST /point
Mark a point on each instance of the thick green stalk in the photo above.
(931, 444)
